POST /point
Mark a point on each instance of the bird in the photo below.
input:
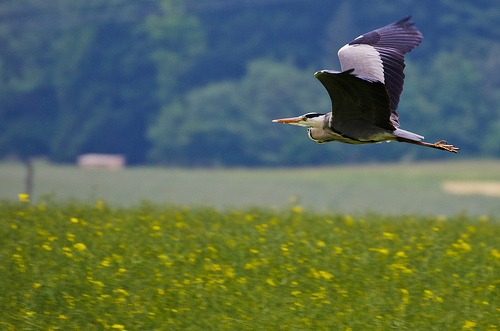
(366, 93)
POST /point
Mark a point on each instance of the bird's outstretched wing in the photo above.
(359, 105)
(379, 55)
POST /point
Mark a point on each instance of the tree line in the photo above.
(197, 83)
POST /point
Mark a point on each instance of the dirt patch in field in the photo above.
(491, 189)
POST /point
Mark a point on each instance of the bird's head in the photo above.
(314, 120)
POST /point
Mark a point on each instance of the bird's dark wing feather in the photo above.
(391, 42)
(356, 100)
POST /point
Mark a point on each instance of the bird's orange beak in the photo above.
(291, 120)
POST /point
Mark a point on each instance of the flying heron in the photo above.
(365, 94)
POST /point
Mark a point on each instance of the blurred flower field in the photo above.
(75, 266)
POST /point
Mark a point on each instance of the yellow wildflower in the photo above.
(466, 246)
(230, 273)
(495, 253)
(406, 296)
(389, 235)
(79, 247)
(325, 275)
(270, 282)
(483, 218)
(463, 245)
(383, 251)
(400, 254)
(121, 291)
(468, 325)
(349, 221)
(428, 294)
(23, 197)
(99, 204)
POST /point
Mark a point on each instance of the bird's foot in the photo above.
(442, 145)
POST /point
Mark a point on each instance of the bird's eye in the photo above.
(304, 118)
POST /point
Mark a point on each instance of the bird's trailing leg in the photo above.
(439, 145)
(442, 145)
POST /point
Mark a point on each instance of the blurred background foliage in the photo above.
(197, 82)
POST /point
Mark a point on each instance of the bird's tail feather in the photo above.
(407, 135)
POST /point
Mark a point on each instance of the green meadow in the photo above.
(157, 267)
(350, 248)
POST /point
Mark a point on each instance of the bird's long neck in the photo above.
(320, 128)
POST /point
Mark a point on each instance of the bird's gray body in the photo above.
(365, 94)
(361, 112)
(369, 134)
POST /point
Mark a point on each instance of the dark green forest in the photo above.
(197, 82)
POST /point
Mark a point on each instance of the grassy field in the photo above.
(387, 189)
(157, 267)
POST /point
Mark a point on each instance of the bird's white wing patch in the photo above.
(364, 59)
